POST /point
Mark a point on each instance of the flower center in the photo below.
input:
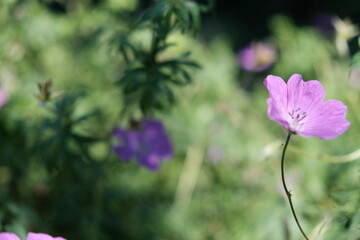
(296, 118)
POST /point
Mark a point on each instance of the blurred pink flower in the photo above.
(146, 141)
(8, 236)
(30, 236)
(42, 236)
(300, 107)
(3, 97)
(257, 57)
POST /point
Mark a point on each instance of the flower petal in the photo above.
(119, 133)
(156, 139)
(38, 236)
(295, 86)
(130, 144)
(326, 121)
(150, 161)
(304, 95)
(124, 153)
(42, 236)
(152, 124)
(277, 103)
(313, 94)
(247, 58)
(8, 236)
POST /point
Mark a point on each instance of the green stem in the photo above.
(288, 194)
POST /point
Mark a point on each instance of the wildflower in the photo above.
(145, 141)
(257, 57)
(299, 107)
(30, 236)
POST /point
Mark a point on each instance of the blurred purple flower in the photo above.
(30, 236)
(147, 142)
(323, 22)
(257, 57)
(300, 107)
(3, 97)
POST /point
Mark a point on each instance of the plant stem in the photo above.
(288, 194)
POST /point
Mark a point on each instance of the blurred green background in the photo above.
(58, 175)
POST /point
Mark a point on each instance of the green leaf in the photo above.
(194, 11)
(185, 75)
(165, 46)
(152, 13)
(169, 94)
(86, 117)
(190, 64)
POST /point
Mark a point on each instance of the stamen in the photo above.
(296, 118)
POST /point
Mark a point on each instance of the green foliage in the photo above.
(148, 78)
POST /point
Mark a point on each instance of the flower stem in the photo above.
(288, 194)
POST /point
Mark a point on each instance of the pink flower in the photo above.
(300, 107)
(257, 57)
(30, 236)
